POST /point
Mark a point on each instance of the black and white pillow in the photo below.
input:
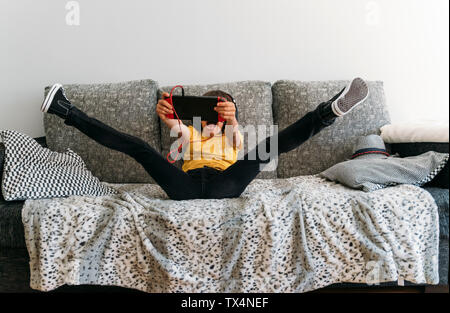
(375, 173)
(34, 172)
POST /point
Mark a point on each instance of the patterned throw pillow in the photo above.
(381, 171)
(33, 172)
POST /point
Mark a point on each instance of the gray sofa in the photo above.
(130, 107)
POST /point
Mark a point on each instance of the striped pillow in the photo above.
(34, 172)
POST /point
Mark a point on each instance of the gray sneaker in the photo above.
(354, 94)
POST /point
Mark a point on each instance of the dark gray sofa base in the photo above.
(15, 275)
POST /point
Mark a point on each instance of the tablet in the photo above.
(187, 107)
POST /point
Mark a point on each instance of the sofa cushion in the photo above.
(334, 144)
(254, 103)
(128, 107)
(420, 131)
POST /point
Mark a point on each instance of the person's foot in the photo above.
(354, 94)
(56, 102)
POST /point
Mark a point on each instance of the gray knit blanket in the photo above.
(281, 235)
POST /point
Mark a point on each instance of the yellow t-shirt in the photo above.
(216, 152)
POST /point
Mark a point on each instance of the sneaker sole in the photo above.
(351, 97)
(49, 98)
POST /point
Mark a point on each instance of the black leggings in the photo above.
(204, 183)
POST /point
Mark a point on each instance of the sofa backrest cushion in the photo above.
(254, 103)
(334, 144)
(128, 107)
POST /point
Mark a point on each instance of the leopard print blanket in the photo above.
(281, 235)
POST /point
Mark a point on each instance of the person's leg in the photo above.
(177, 184)
(233, 181)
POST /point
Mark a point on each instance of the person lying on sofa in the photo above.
(208, 178)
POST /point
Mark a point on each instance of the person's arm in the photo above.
(228, 111)
(162, 109)
(234, 138)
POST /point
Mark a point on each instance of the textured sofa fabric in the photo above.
(128, 107)
(253, 100)
(334, 144)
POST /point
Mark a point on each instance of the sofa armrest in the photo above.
(406, 149)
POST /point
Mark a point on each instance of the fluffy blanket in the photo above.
(281, 235)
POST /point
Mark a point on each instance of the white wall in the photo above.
(402, 42)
